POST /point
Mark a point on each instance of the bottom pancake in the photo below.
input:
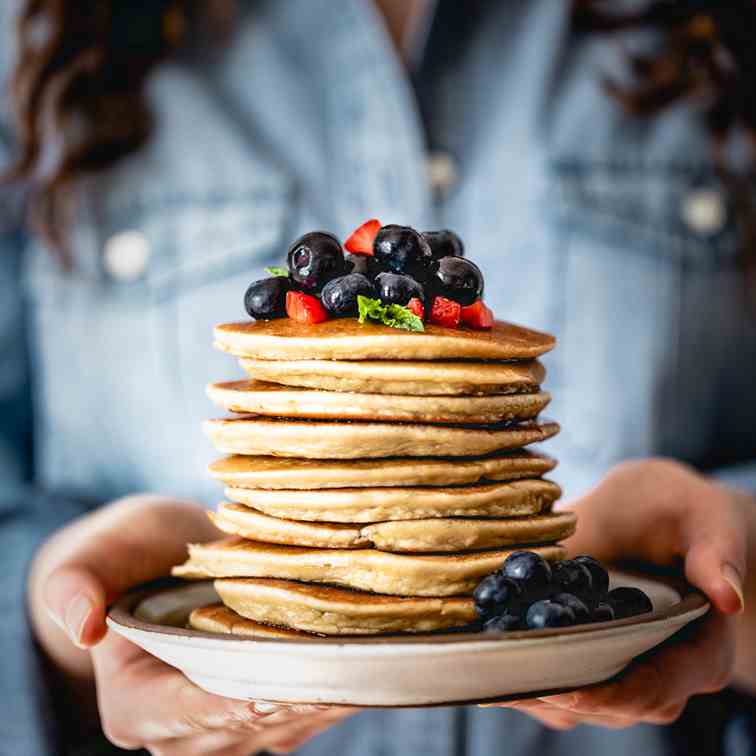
(361, 569)
(439, 534)
(335, 611)
(217, 618)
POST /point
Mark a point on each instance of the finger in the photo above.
(656, 687)
(142, 700)
(301, 733)
(714, 544)
(76, 601)
(96, 558)
(560, 718)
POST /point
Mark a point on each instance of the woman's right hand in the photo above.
(142, 702)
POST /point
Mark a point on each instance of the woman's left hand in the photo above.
(664, 513)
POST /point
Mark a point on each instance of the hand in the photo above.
(142, 702)
(661, 512)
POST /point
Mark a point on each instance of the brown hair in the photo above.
(77, 87)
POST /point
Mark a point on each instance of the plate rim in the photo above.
(692, 600)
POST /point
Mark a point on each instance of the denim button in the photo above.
(704, 211)
(126, 255)
(442, 172)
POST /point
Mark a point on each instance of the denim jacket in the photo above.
(610, 232)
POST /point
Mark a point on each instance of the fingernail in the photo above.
(563, 700)
(730, 574)
(77, 613)
(263, 707)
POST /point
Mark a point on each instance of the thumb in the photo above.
(97, 558)
(76, 601)
(715, 556)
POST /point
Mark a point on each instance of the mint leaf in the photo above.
(393, 315)
(278, 272)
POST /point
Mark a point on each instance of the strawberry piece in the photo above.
(304, 308)
(445, 312)
(478, 316)
(361, 241)
(416, 306)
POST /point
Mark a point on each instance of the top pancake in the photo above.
(347, 339)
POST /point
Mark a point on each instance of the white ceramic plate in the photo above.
(399, 671)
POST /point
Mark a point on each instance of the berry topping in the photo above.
(496, 593)
(445, 312)
(394, 288)
(459, 279)
(530, 568)
(602, 613)
(304, 308)
(401, 249)
(598, 573)
(549, 614)
(266, 299)
(339, 296)
(578, 607)
(573, 577)
(444, 244)
(314, 259)
(416, 306)
(503, 623)
(478, 316)
(628, 601)
(361, 241)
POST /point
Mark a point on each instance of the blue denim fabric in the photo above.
(572, 209)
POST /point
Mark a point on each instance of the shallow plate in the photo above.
(398, 671)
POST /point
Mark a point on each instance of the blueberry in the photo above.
(503, 623)
(360, 264)
(573, 577)
(266, 299)
(603, 612)
(628, 601)
(394, 288)
(579, 609)
(549, 614)
(314, 259)
(495, 593)
(444, 244)
(401, 249)
(598, 573)
(339, 296)
(531, 569)
(459, 279)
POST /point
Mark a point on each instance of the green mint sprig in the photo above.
(278, 272)
(393, 315)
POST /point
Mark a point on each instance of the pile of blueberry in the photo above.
(426, 273)
(528, 593)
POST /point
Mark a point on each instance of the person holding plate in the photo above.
(158, 153)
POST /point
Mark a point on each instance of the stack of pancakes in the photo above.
(376, 476)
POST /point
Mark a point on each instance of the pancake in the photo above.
(362, 569)
(270, 399)
(347, 339)
(436, 535)
(305, 474)
(407, 378)
(353, 440)
(333, 611)
(219, 619)
(366, 505)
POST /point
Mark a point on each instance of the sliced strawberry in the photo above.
(361, 241)
(304, 308)
(445, 312)
(478, 316)
(416, 306)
